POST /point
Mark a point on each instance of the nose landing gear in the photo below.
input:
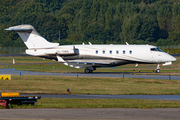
(158, 69)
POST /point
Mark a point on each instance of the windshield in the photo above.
(156, 49)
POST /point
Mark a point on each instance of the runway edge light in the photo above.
(5, 77)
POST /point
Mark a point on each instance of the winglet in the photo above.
(127, 43)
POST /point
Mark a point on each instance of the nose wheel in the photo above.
(157, 70)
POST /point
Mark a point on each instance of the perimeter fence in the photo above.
(12, 50)
(169, 47)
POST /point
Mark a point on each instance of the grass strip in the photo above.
(39, 84)
(101, 103)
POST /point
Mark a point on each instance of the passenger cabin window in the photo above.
(96, 51)
(103, 52)
(124, 52)
(117, 52)
(110, 52)
(156, 49)
(130, 52)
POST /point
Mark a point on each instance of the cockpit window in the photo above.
(160, 50)
(153, 49)
(156, 49)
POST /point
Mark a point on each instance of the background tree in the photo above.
(97, 21)
(139, 27)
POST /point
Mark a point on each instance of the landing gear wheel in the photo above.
(157, 71)
(87, 71)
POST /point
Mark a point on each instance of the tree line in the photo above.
(154, 22)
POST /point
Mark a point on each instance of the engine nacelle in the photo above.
(60, 50)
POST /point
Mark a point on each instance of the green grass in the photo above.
(38, 84)
(102, 103)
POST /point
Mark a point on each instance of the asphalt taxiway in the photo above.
(91, 114)
(95, 74)
(72, 96)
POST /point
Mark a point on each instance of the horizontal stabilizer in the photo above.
(18, 29)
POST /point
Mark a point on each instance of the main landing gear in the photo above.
(89, 70)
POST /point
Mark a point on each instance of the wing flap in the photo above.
(88, 63)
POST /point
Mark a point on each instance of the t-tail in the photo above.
(31, 37)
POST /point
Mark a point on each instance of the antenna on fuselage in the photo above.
(89, 43)
(127, 43)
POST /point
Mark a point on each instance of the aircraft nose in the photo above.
(173, 59)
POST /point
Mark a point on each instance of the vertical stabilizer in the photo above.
(31, 37)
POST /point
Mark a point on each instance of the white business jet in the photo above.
(90, 56)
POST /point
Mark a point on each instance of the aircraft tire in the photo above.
(157, 71)
(87, 71)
